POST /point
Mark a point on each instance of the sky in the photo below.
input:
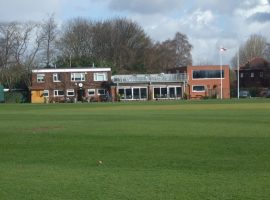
(209, 24)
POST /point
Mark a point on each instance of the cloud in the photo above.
(16, 10)
(145, 6)
(260, 17)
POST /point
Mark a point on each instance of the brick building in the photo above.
(60, 85)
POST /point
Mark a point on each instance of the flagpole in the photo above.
(238, 68)
(221, 86)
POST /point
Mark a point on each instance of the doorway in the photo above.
(80, 94)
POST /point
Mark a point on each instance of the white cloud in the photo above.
(18, 10)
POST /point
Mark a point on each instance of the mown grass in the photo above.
(152, 150)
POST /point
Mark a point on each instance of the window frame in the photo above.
(103, 74)
(56, 77)
(57, 95)
(100, 90)
(93, 90)
(207, 73)
(70, 90)
(198, 90)
(73, 77)
(39, 80)
(46, 92)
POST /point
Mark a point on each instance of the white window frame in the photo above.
(70, 90)
(73, 77)
(56, 77)
(56, 93)
(104, 76)
(100, 90)
(92, 90)
(197, 90)
(40, 78)
(46, 92)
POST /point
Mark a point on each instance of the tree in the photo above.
(255, 46)
(171, 53)
(48, 38)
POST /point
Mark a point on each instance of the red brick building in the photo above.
(59, 85)
(209, 81)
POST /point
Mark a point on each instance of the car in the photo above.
(244, 94)
(267, 94)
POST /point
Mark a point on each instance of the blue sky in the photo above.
(207, 23)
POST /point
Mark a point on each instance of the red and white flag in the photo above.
(222, 49)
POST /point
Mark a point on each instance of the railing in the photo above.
(150, 78)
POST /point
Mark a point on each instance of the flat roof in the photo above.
(72, 70)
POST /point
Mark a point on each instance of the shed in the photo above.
(2, 95)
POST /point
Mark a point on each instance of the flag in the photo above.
(222, 49)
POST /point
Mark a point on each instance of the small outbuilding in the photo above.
(2, 94)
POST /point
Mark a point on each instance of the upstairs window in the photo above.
(261, 74)
(241, 75)
(252, 74)
(78, 77)
(56, 77)
(207, 74)
(100, 76)
(40, 78)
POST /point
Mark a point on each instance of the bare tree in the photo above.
(49, 36)
(255, 46)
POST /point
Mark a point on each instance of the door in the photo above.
(80, 94)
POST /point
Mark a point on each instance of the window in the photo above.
(241, 75)
(198, 88)
(160, 92)
(46, 93)
(100, 76)
(133, 93)
(40, 78)
(70, 92)
(59, 93)
(56, 77)
(261, 74)
(91, 92)
(252, 74)
(78, 77)
(202, 74)
(101, 92)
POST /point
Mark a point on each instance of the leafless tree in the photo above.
(49, 36)
(255, 46)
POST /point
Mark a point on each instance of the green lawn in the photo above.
(154, 150)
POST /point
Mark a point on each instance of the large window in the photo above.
(40, 78)
(160, 92)
(78, 77)
(100, 76)
(133, 93)
(203, 74)
(198, 88)
(56, 77)
(59, 93)
(167, 92)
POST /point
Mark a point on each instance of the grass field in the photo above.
(158, 150)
